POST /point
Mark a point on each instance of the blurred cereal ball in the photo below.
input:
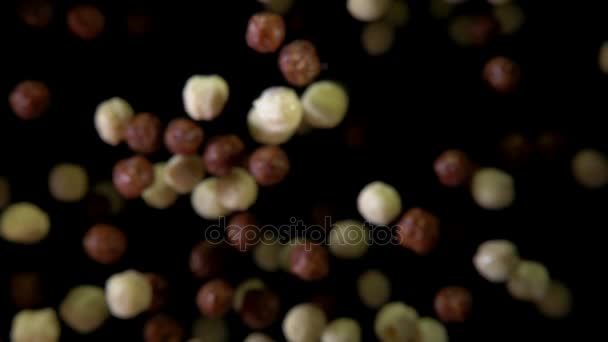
(467, 31)
(84, 309)
(242, 289)
(440, 9)
(107, 190)
(557, 302)
(159, 195)
(510, 18)
(529, 281)
(590, 168)
(379, 203)
(258, 337)
(368, 10)
(304, 323)
(205, 201)
(493, 189)
(277, 6)
(396, 322)
(285, 254)
(237, 190)
(205, 96)
(603, 57)
(111, 119)
(495, 260)
(374, 288)
(35, 325)
(342, 330)
(431, 330)
(348, 239)
(24, 223)
(128, 294)
(68, 182)
(325, 104)
(210, 329)
(266, 255)
(5, 192)
(398, 15)
(377, 38)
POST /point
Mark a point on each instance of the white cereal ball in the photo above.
(349, 239)
(68, 182)
(275, 116)
(325, 104)
(304, 323)
(266, 255)
(590, 168)
(493, 189)
(84, 309)
(35, 326)
(396, 322)
(430, 330)
(368, 10)
(342, 330)
(205, 201)
(374, 288)
(210, 329)
(237, 190)
(242, 289)
(495, 260)
(205, 96)
(258, 337)
(557, 302)
(24, 223)
(159, 195)
(111, 119)
(377, 38)
(128, 294)
(5, 192)
(529, 281)
(379, 203)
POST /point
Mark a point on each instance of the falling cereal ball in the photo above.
(557, 302)
(242, 289)
(162, 328)
(36, 325)
(510, 18)
(132, 176)
(453, 304)
(430, 330)
(502, 74)
(24, 223)
(266, 255)
(205, 96)
(474, 30)
(84, 308)
(144, 133)
(309, 262)
(222, 153)
(495, 260)
(107, 190)
(260, 309)
(275, 116)
(590, 168)
(183, 136)
(128, 294)
(160, 291)
(258, 337)
(207, 259)
(304, 323)
(111, 119)
(374, 289)
(603, 57)
(379, 203)
(348, 239)
(278, 6)
(377, 38)
(105, 244)
(159, 195)
(418, 230)
(265, 32)
(299, 63)
(68, 182)
(5, 192)
(209, 329)
(325, 104)
(396, 322)
(493, 189)
(30, 100)
(529, 281)
(453, 168)
(183, 173)
(368, 10)
(36, 13)
(214, 298)
(205, 200)
(398, 15)
(342, 330)
(237, 190)
(242, 231)
(86, 21)
(269, 165)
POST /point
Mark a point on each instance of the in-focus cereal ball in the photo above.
(309, 261)
(84, 308)
(243, 232)
(36, 13)
(377, 38)
(557, 302)
(278, 6)
(30, 99)
(207, 259)
(27, 290)
(529, 281)
(183, 136)
(368, 10)
(396, 322)
(590, 168)
(163, 328)
(418, 230)
(493, 189)
(260, 309)
(242, 289)
(111, 118)
(265, 32)
(24, 223)
(144, 133)
(325, 104)
(453, 304)
(159, 195)
(210, 329)
(105, 244)
(276, 115)
(342, 330)
(68, 182)
(374, 289)
(495, 260)
(183, 173)
(205, 96)
(214, 298)
(86, 21)
(299, 63)
(266, 255)
(304, 323)
(398, 14)
(222, 153)
(132, 176)
(5, 192)
(128, 294)
(453, 168)
(502, 74)
(349, 239)
(379, 203)
(237, 190)
(35, 325)
(269, 165)
(258, 337)
(430, 330)
(510, 18)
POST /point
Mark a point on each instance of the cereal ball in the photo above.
(368, 10)
(325, 104)
(105, 244)
(260, 309)
(24, 223)
(84, 308)
(237, 190)
(304, 323)
(326, 301)
(36, 13)
(222, 153)
(30, 99)
(502, 74)
(111, 119)
(205, 96)
(398, 14)
(495, 260)
(418, 230)
(107, 190)
(183, 136)
(258, 337)
(275, 116)
(493, 189)
(590, 168)
(144, 133)
(515, 150)
(159, 195)
(557, 301)
(529, 281)
(379, 203)
(510, 18)
(266, 255)
(243, 231)
(132, 176)
(374, 289)
(244, 287)
(128, 294)
(27, 290)
(309, 262)
(473, 30)
(160, 291)
(377, 38)
(278, 6)
(430, 330)
(603, 57)
(342, 330)
(453, 304)
(206, 329)
(265, 32)
(162, 328)
(396, 322)
(68, 182)
(453, 168)
(86, 21)
(207, 259)
(269, 165)
(35, 325)
(286, 251)
(5, 192)
(183, 173)
(214, 299)
(349, 239)
(440, 9)
(299, 63)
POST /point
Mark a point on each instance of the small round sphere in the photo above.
(266, 255)
(183, 136)
(277, 6)
(144, 133)
(214, 299)
(222, 153)
(603, 57)
(510, 18)
(258, 337)
(68, 182)
(377, 38)
(105, 244)
(265, 32)
(430, 330)
(260, 309)
(5, 192)
(590, 168)
(24, 223)
(453, 168)
(557, 302)
(277, 111)
(132, 176)
(502, 74)
(269, 165)
(205, 96)
(159, 195)
(374, 288)
(515, 150)
(368, 10)
(453, 304)
(243, 231)
(309, 262)
(493, 189)
(398, 14)
(304, 323)
(286, 251)
(349, 239)
(84, 308)
(86, 21)
(27, 290)
(529, 281)
(111, 118)
(210, 329)
(418, 230)
(162, 328)
(237, 190)
(242, 289)
(495, 260)
(472, 30)
(128, 294)
(36, 13)
(379, 203)
(325, 104)
(35, 325)
(342, 330)
(205, 200)
(299, 63)
(207, 259)
(396, 322)
(326, 301)
(183, 173)
(160, 291)
(30, 99)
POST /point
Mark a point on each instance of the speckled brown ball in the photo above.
(27, 290)
(453, 168)
(183, 136)
(132, 176)
(162, 328)
(222, 154)
(86, 21)
(261, 308)
(453, 304)
(214, 299)
(30, 100)
(36, 13)
(299, 63)
(207, 259)
(265, 32)
(502, 74)
(309, 262)
(418, 230)
(105, 244)
(143, 133)
(243, 231)
(160, 291)
(269, 165)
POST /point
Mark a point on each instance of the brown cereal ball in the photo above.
(299, 63)
(243, 231)
(86, 21)
(30, 99)
(223, 153)
(453, 304)
(160, 291)
(162, 328)
(36, 13)
(132, 176)
(269, 165)
(502, 74)
(309, 262)
(207, 259)
(183, 136)
(418, 230)
(143, 133)
(261, 308)
(105, 244)
(27, 290)
(453, 168)
(265, 32)
(214, 299)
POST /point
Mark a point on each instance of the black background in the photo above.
(422, 98)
